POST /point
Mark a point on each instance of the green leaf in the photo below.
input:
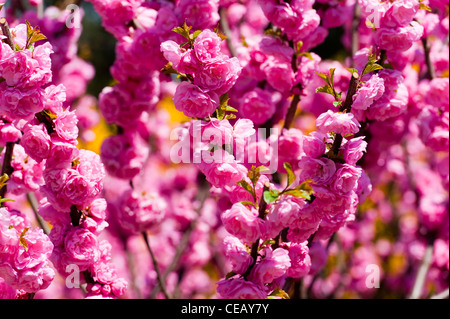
(371, 67)
(279, 293)
(271, 195)
(298, 193)
(230, 109)
(323, 76)
(195, 34)
(325, 89)
(332, 76)
(2, 200)
(291, 175)
(307, 55)
(33, 35)
(230, 274)
(255, 173)
(352, 70)
(247, 202)
(337, 103)
(268, 242)
(229, 117)
(245, 185)
(425, 7)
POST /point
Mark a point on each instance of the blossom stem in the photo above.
(346, 107)
(227, 31)
(355, 25)
(431, 73)
(31, 198)
(6, 167)
(421, 276)
(6, 32)
(162, 285)
(261, 214)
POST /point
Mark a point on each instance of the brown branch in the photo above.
(161, 282)
(31, 198)
(431, 73)
(227, 31)
(261, 214)
(6, 32)
(6, 167)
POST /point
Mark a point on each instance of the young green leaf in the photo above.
(271, 195)
(291, 175)
(371, 67)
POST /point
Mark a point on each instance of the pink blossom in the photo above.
(124, 155)
(81, 247)
(207, 47)
(257, 105)
(300, 260)
(36, 142)
(172, 52)
(313, 145)
(200, 14)
(372, 90)
(195, 102)
(242, 222)
(66, 126)
(274, 265)
(237, 253)
(354, 150)
(320, 170)
(239, 288)
(218, 76)
(337, 122)
(221, 169)
(140, 212)
(345, 180)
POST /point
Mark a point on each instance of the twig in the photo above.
(261, 214)
(227, 31)
(183, 243)
(6, 32)
(291, 112)
(6, 167)
(31, 198)
(431, 73)
(346, 107)
(355, 25)
(161, 282)
(421, 276)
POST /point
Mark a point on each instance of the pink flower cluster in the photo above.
(47, 160)
(213, 73)
(24, 254)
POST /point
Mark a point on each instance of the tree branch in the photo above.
(227, 31)
(161, 282)
(421, 276)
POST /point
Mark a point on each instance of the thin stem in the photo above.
(183, 243)
(291, 112)
(346, 107)
(421, 276)
(6, 167)
(6, 32)
(431, 73)
(31, 198)
(227, 31)
(355, 25)
(261, 214)
(162, 285)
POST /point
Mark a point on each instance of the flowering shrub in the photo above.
(229, 155)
